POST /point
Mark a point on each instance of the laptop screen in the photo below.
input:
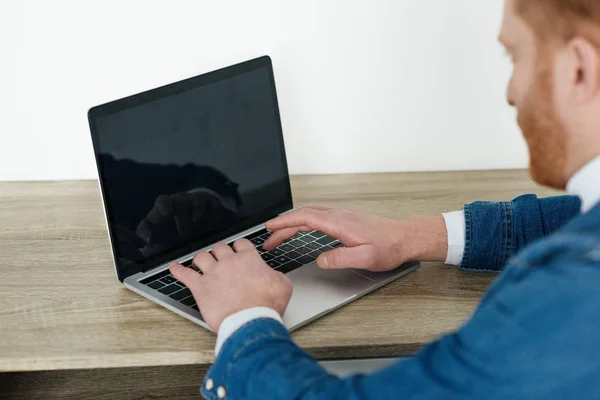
(189, 164)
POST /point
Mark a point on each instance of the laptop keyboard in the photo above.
(300, 250)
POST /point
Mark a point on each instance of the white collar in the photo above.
(586, 184)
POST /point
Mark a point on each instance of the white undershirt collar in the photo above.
(586, 184)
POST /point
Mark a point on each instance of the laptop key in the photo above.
(313, 246)
(282, 259)
(161, 274)
(168, 279)
(273, 264)
(326, 240)
(306, 259)
(267, 257)
(306, 239)
(286, 247)
(277, 252)
(156, 285)
(256, 234)
(317, 234)
(290, 266)
(257, 241)
(303, 250)
(182, 294)
(170, 289)
(296, 243)
(314, 254)
(336, 244)
(293, 254)
(188, 301)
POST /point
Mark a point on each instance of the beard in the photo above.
(544, 132)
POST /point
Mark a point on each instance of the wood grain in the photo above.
(62, 307)
(167, 382)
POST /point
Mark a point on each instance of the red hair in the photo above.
(562, 19)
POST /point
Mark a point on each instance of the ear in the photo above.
(585, 57)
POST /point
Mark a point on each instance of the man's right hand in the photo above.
(373, 243)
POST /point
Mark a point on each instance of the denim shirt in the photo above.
(535, 335)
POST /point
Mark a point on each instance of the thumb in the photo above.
(360, 257)
(187, 276)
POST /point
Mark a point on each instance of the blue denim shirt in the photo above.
(535, 335)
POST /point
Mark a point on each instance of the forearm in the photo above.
(485, 235)
(262, 362)
(427, 238)
(494, 232)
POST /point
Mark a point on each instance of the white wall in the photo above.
(364, 85)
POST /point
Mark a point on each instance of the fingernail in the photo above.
(325, 263)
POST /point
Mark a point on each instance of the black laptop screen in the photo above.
(196, 163)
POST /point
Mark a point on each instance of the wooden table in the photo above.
(68, 329)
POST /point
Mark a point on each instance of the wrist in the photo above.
(236, 321)
(426, 238)
(243, 307)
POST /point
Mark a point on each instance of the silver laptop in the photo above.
(202, 161)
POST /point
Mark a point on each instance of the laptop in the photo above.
(202, 161)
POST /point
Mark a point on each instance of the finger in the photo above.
(187, 276)
(243, 245)
(221, 251)
(282, 235)
(204, 261)
(360, 257)
(306, 217)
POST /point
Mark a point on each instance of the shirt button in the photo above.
(210, 384)
(221, 393)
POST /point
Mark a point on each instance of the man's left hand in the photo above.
(232, 280)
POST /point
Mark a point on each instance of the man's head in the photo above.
(555, 87)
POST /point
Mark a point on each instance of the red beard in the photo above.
(543, 132)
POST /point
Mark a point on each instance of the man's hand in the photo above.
(233, 280)
(372, 243)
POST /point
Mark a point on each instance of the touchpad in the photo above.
(317, 290)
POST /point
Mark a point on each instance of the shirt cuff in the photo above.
(456, 227)
(231, 324)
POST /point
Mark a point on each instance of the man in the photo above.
(536, 333)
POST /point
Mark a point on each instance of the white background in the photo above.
(364, 85)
